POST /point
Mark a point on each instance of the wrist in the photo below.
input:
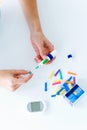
(35, 27)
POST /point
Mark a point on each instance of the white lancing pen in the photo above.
(53, 54)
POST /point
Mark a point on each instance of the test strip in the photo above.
(57, 72)
(54, 95)
(74, 80)
(69, 78)
(58, 93)
(69, 82)
(58, 89)
(45, 87)
(62, 92)
(65, 86)
(51, 75)
(58, 80)
(72, 73)
(55, 83)
(61, 76)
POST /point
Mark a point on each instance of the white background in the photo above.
(65, 25)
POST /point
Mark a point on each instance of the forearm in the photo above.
(31, 13)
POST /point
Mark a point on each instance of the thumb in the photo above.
(19, 72)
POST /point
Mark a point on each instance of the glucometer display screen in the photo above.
(35, 106)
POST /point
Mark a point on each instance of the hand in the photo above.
(13, 79)
(41, 46)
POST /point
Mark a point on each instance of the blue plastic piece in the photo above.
(45, 88)
(57, 72)
(69, 56)
(65, 86)
(58, 93)
(50, 56)
(53, 95)
(69, 78)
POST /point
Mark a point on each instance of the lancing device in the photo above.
(49, 57)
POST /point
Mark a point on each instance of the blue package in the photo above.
(75, 93)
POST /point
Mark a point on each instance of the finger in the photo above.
(48, 48)
(19, 72)
(13, 88)
(49, 45)
(23, 80)
(38, 59)
(44, 50)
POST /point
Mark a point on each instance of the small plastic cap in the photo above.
(69, 56)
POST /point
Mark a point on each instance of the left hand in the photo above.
(13, 79)
(41, 45)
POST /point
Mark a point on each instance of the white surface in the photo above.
(65, 25)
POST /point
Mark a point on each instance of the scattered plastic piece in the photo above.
(58, 93)
(58, 89)
(51, 75)
(45, 87)
(53, 95)
(58, 80)
(65, 86)
(61, 76)
(74, 80)
(57, 72)
(55, 83)
(69, 82)
(72, 73)
(62, 92)
(69, 78)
